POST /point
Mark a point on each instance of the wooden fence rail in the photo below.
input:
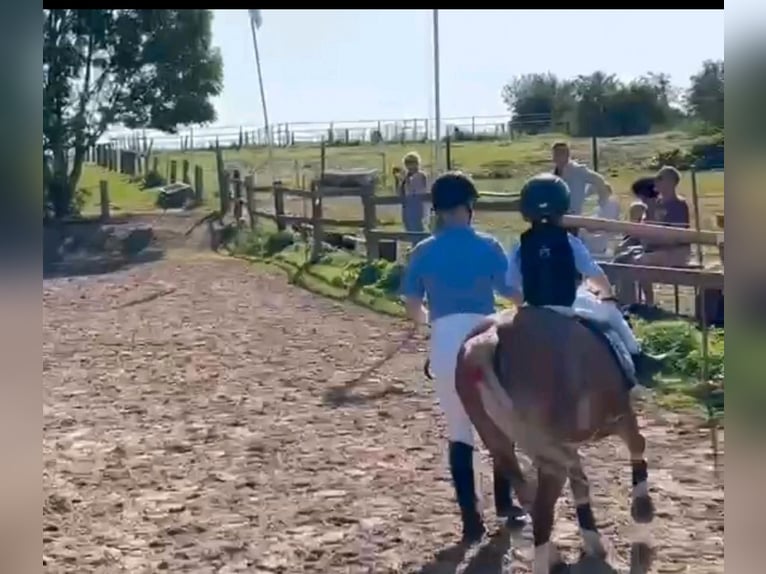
(375, 238)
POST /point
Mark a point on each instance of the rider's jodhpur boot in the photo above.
(461, 468)
(514, 516)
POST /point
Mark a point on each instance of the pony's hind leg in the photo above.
(642, 507)
(578, 482)
(550, 483)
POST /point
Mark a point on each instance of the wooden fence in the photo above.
(378, 240)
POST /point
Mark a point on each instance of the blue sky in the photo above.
(322, 65)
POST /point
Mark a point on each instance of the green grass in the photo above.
(345, 276)
(125, 195)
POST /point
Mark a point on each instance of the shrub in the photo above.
(153, 179)
(276, 242)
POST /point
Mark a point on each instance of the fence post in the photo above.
(370, 222)
(103, 188)
(594, 152)
(156, 164)
(173, 170)
(316, 224)
(250, 198)
(199, 185)
(223, 196)
(185, 171)
(238, 206)
(279, 205)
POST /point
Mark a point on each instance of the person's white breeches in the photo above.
(447, 336)
(588, 306)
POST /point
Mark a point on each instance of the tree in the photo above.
(537, 101)
(704, 98)
(137, 68)
(595, 104)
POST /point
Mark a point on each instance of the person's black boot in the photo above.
(514, 516)
(647, 366)
(461, 468)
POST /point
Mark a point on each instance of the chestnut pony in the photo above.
(549, 383)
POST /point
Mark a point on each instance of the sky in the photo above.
(335, 65)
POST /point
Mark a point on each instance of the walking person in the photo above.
(580, 179)
(412, 187)
(458, 270)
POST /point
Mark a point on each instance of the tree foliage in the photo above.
(600, 104)
(705, 95)
(137, 68)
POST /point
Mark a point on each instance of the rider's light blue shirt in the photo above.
(586, 265)
(458, 270)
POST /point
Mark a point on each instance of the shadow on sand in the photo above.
(493, 556)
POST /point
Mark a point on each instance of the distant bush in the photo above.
(153, 179)
(706, 154)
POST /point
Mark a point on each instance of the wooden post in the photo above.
(322, 160)
(279, 205)
(448, 151)
(316, 223)
(223, 181)
(238, 206)
(250, 198)
(199, 185)
(173, 170)
(594, 152)
(185, 171)
(103, 188)
(223, 196)
(156, 164)
(370, 222)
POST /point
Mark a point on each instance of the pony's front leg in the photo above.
(550, 483)
(642, 507)
(578, 482)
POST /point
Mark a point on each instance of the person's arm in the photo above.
(637, 212)
(513, 278)
(413, 290)
(595, 180)
(500, 275)
(588, 268)
(421, 182)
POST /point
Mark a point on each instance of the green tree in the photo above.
(704, 98)
(136, 68)
(537, 102)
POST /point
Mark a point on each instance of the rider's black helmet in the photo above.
(544, 197)
(451, 190)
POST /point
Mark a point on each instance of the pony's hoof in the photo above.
(548, 560)
(641, 558)
(642, 509)
(593, 545)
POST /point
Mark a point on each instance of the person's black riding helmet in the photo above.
(451, 190)
(544, 197)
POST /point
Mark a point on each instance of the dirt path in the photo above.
(204, 416)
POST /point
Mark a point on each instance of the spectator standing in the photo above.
(579, 177)
(413, 186)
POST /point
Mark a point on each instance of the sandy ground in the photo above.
(202, 415)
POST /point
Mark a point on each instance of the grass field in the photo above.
(497, 166)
